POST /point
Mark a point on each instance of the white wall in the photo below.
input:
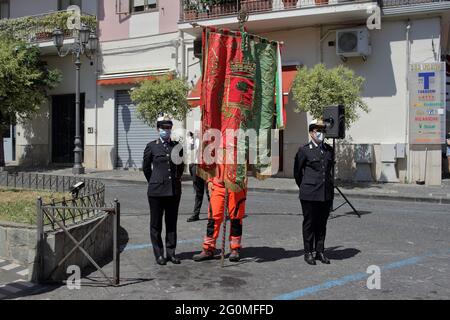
(89, 6)
(385, 85)
(20, 8)
(144, 24)
(385, 77)
(138, 54)
(39, 132)
(301, 46)
(67, 86)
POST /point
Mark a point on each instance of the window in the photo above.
(64, 4)
(143, 5)
(4, 9)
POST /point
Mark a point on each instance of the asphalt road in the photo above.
(408, 242)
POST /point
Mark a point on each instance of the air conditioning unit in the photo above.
(353, 43)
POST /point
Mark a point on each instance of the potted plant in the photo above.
(252, 5)
(202, 9)
(289, 4)
(215, 7)
(222, 7)
(231, 6)
(316, 88)
(190, 10)
(166, 95)
(43, 35)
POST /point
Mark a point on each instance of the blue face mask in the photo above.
(165, 134)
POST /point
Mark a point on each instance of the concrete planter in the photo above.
(18, 243)
(57, 245)
(255, 6)
(289, 4)
(190, 15)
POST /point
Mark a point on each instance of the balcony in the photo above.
(397, 3)
(199, 10)
(38, 29)
(273, 15)
(400, 7)
(281, 13)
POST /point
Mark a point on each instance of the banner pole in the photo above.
(224, 229)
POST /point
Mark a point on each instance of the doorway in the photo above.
(9, 143)
(63, 127)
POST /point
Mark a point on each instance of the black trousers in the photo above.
(167, 207)
(199, 188)
(315, 217)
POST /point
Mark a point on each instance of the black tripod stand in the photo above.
(337, 188)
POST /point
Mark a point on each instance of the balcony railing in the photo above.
(192, 10)
(398, 3)
(197, 10)
(39, 28)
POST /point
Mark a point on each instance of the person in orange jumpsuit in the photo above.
(236, 212)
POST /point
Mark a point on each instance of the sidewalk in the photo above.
(388, 191)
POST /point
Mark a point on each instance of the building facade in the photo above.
(376, 147)
(142, 39)
(49, 136)
(139, 40)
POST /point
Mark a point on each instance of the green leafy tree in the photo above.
(162, 95)
(319, 87)
(24, 83)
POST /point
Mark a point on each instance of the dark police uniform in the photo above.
(313, 172)
(164, 193)
(199, 188)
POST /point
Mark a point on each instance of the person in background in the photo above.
(198, 183)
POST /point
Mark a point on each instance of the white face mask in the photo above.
(319, 136)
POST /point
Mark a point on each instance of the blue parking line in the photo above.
(351, 278)
(149, 245)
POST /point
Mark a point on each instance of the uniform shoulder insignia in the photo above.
(156, 141)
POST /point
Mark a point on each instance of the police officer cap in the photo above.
(163, 120)
(316, 124)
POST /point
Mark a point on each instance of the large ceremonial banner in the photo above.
(238, 97)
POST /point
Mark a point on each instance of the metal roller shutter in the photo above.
(132, 134)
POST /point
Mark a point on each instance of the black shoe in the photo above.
(161, 261)
(194, 217)
(310, 259)
(173, 259)
(320, 256)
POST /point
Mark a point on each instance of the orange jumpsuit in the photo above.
(236, 212)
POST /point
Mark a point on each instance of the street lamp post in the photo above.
(86, 43)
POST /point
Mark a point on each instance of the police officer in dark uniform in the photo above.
(313, 172)
(163, 170)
